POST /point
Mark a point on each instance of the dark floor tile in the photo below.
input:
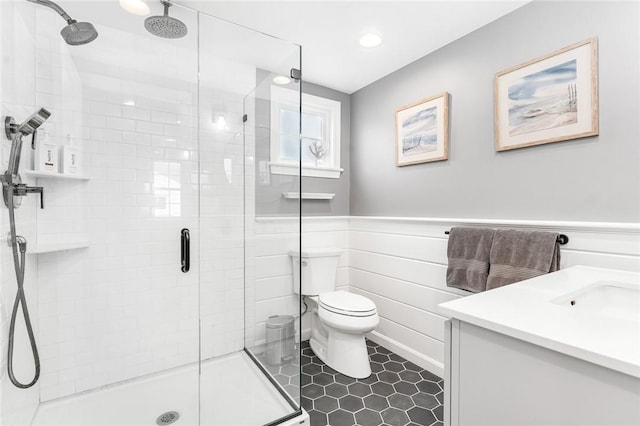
(359, 389)
(425, 400)
(312, 391)
(351, 403)
(311, 369)
(439, 412)
(393, 366)
(388, 377)
(371, 343)
(438, 424)
(395, 417)
(307, 404)
(381, 358)
(427, 375)
(305, 379)
(383, 350)
(369, 380)
(396, 357)
(428, 387)
(317, 418)
(376, 402)
(383, 389)
(329, 370)
(337, 390)
(410, 376)
(345, 380)
(402, 402)
(440, 397)
(368, 417)
(376, 367)
(411, 366)
(322, 379)
(398, 392)
(325, 404)
(341, 418)
(421, 416)
(406, 388)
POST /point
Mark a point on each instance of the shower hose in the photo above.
(18, 242)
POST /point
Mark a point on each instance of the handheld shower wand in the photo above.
(12, 186)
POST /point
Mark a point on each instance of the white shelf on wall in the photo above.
(53, 247)
(308, 195)
(53, 175)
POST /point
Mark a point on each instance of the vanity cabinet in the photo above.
(494, 379)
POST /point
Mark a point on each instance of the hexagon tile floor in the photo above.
(397, 393)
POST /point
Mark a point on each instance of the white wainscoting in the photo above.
(401, 263)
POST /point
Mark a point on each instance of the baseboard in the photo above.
(404, 351)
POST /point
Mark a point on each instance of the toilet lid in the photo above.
(342, 302)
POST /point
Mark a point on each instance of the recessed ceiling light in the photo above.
(370, 40)
(129, 102)
(137, 7)
(281, 79)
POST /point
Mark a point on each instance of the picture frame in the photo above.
(549, 99)
(422, 131)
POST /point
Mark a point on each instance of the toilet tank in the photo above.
(319, 267)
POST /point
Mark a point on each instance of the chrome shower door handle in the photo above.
(185, 250)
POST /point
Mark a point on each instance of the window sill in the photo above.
(307, 171)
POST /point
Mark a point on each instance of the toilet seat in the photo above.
(349, 304)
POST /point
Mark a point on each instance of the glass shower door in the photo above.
(237, 67)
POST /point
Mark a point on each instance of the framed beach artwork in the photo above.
(549, 99)
(422, 131)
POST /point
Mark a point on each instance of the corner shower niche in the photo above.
(67, 208)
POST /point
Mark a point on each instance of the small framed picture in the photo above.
(422, 131)
(549, 99)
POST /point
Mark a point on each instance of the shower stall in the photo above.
(155, 292)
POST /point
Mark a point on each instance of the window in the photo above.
(320, 134)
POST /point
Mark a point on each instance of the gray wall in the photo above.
(591, 179)
(269, 200)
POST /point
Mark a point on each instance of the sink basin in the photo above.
(609, 298)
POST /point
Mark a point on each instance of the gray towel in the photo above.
(520, 255)
(468, 253)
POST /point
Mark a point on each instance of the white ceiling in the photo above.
(329, 31)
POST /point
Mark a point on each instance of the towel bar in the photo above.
(562, 239)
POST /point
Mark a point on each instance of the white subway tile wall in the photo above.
(120, 308)
(17, 97)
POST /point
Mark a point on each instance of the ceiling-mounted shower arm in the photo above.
(55, 7)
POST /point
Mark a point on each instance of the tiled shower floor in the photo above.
(397, 393)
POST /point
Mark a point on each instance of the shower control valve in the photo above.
(22, 189)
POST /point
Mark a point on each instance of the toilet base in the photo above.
(345, 353)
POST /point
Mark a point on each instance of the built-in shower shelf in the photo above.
(308, 195)
(53, 247)
(53, 175)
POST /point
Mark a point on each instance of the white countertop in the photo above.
(524, 311)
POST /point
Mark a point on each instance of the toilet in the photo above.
(339, 320)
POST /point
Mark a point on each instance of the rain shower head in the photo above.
(165, 26)
(75, 33)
